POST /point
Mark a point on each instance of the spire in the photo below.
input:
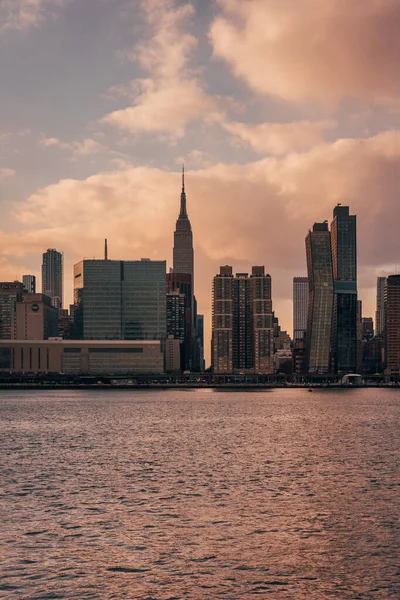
(105, 250)
(183, 213)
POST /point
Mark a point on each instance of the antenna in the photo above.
(105, 250)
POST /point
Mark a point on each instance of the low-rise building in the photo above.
(36, 318)
(81, 357)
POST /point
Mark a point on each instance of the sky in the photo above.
(279, 110)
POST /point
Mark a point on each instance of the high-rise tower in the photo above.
(52, 277)
(380, 305)
(320, 302)
(183, 258)
(344, 265)
(300, 307)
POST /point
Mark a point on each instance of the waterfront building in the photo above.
(200, 340)
(82, 357)
(300, 307)
(242, 329)
(320, 303)
(392, 325)
(120, 300)
(52, 277)
(36, 318)
(172, 354)
(344, 265)
(11, 292)
(380, 305)
(29, 282)
(181, 283)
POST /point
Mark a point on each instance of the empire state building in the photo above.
(183, 261)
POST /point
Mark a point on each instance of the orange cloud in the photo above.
(279, 138)
(258, 213)
(321, 50)
(172, 96)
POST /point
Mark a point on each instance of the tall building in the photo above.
(11, 292)
(242, 328)
(392, 325)
(120, 300)
(36, 318)
(380, 305)
(344, 265)
(181, 283)
(300, 307)
(29, 282)
(183, 256)
(200, 340)
(52, 277)
(320, 303)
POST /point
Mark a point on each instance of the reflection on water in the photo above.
(162, 495)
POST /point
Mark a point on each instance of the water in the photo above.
(199, 494)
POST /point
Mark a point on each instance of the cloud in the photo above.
(25, 14)
(319, 50)
(172, 95)
(4, 173)
(279, 138)
(87, 147)
(256, 213)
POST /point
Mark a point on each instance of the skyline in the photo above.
(89, 153)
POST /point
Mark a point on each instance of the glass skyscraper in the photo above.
(344, 265)
(52, 277)
(300, 307)
(120, 300)
(320, 302)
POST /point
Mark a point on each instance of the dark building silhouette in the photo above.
(181, 283)
(392, 325)
(11, 292)
(380, 305)
(52, 277)
(320, 303)
(300, 307)
(344, 265)
(183, 255)
(120, 300)
(242, 336)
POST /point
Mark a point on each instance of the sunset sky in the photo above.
(279, 108)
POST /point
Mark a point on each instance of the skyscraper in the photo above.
(182, 284)
(392, 325)
(183, 256)
(52, 277)
(300, 307)
(380, 305)
(120, 300)
(320, 303)
(344, 265)
(242, 336)
(11, 292)
(29, 282)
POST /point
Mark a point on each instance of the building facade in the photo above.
(300, 307)
(344, 265)
(120, 300)
(242, 328)
(392, 325)
(82, 357)
(183, 254)
(380, 305)
(29, 282)
(36, 318)
(320, 303)
(52, 277)
(11, 292)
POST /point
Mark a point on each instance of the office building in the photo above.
(300, 307)
(367, 328)
(36, 318)
(176, 327)
(320, 302)
(82, 357)
(181, 283)
(29, 282)
(200, 340)
(120, 300)
(52, 277)
(380, 305)
(172, 354)
(392, 325)
(344, 265)
(242, 329)
(11, 292)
